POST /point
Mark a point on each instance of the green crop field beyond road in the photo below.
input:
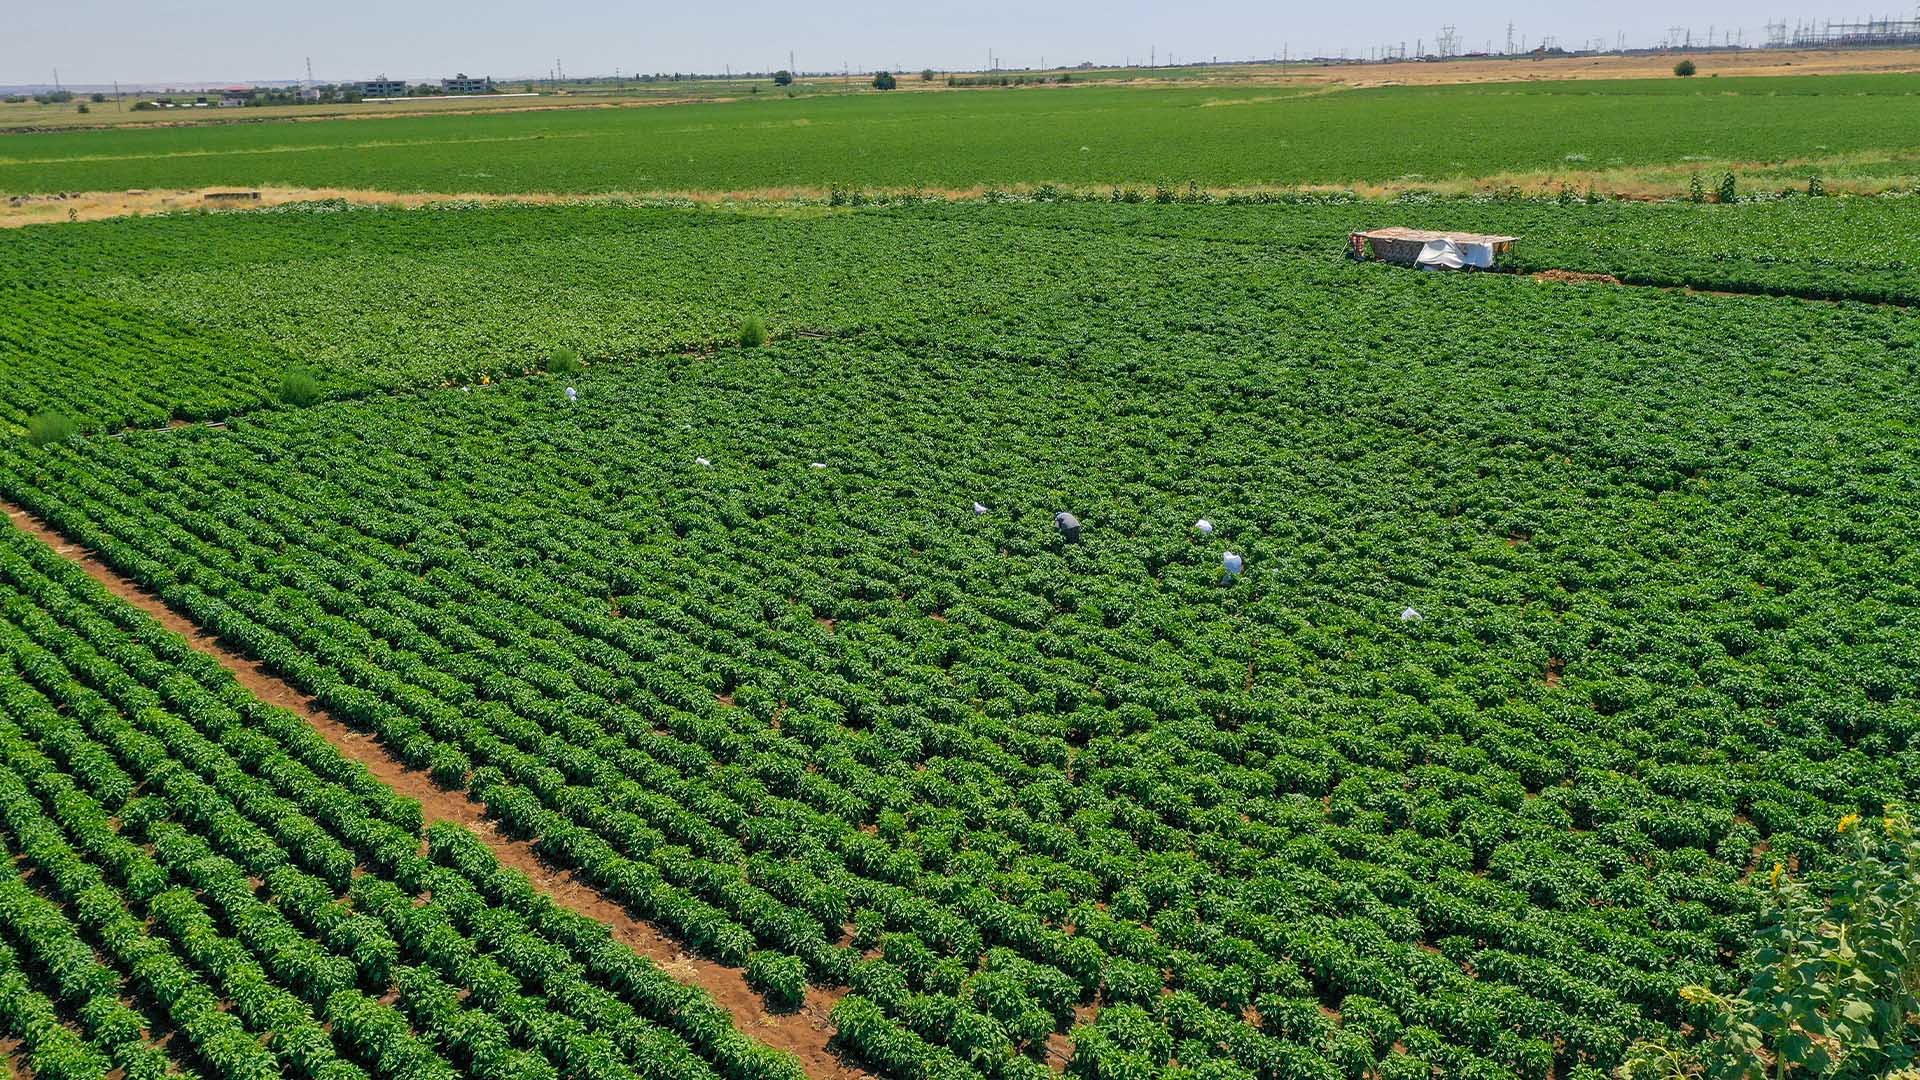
(1074, 136)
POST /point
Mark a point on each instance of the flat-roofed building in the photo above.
(466, 84)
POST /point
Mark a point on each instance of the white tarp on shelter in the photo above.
(1440, 254)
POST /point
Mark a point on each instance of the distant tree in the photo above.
(99, 99)
(145, 106)
(1684, 69)
(926, 74)
(783, 77)
(884, 80)
(84, 107)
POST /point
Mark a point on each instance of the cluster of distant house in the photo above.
(462, 83)
(234, 97)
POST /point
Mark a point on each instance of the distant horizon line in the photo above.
(195, 85)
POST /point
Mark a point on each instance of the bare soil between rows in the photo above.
(805, 1034)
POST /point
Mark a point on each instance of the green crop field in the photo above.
(208, 888)
(1073, 136)
(122, 323)
(1568, 610)
(635, 637)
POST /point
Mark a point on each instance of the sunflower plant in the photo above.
(1836, 966)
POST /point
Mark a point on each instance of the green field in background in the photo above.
(1073, 136)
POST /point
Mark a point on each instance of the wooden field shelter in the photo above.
(1402, 246)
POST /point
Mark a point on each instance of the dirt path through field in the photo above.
(804, 1033)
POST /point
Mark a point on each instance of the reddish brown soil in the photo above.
(1551, 677)
(804, 1034)
(1060, 1047)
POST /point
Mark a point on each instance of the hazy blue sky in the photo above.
(96, 41)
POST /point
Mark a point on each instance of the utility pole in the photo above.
(118, 105)
(1509, 39)
(56, 80)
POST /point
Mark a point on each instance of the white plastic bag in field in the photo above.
(1410, 615)
(979, 509)
(701, 461)
(1232, 564)
(1203, 527)
(572, 394)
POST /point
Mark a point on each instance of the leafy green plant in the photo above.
(299, 388)
(1726, 192)
(1836, 991)
(565, 360)
(781, 978)
(1685, 69)
(753, 332)
(45, 428)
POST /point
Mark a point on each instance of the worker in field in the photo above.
(1068, 525)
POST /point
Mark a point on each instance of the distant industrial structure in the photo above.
(1827, 34)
